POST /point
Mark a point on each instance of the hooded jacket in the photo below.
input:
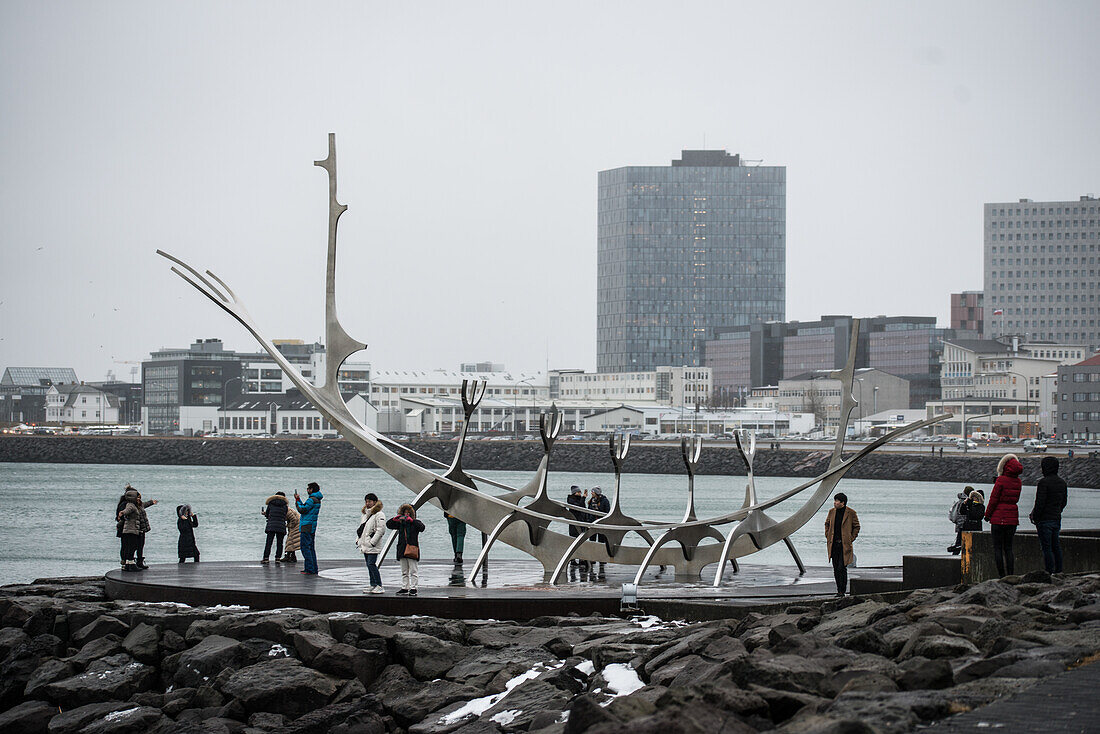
(134, 519)
(293, 536)
(1051, 494)
(374, 530)
(1001, 508)
(275, 512)
(186, 547)
(408, 532)
(309, 511)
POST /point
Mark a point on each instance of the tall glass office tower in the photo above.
(684, 250)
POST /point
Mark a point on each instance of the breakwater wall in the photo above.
(718, 458)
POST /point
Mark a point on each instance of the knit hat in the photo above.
(597, 491)
(573, 489)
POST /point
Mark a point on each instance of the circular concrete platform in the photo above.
(507, 590)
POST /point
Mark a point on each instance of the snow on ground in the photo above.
(622, 680)
(478, 706)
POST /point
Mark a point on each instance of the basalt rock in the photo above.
(282, 686)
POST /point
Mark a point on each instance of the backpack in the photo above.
(955, 514)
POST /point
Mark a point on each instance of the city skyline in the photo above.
(469, 161)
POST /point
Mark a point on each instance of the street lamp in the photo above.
(515, 406)
(862, 425)
(876, 400)
(224, 386)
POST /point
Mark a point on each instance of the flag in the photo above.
(999, 312)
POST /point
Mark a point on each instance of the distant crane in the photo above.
(135, 367)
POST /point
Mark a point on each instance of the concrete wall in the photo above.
(1080, 552)
(718, 458)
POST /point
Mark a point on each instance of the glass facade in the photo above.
(762, 354)
(683, 250)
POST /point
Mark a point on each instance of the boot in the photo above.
(130, 566)
(141, 564)
(290, 557)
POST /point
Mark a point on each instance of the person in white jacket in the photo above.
(372, 531)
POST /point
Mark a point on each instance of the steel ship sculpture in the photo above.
(540, 527)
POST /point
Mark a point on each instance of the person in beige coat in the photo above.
(372, 533)
(293, 539)
(841, 528)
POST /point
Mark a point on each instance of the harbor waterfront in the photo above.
(66, 528)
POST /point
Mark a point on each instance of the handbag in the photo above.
(412, 552)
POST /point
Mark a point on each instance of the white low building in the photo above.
(79, 403)
(661, 420)
(684, 386)
(287, 413)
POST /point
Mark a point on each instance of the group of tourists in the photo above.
(1002, 513)
(597, 505)
(292, 527)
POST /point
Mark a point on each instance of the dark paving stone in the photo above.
(511, 589)
(1062, 704)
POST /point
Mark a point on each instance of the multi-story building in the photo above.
(817, 392)
(23, 391)
(686, 386)
(185, 388)
(683, 250)
(1078, 408)
(1041, 270)
(1005, 369)
(966, 312)
(762, 354)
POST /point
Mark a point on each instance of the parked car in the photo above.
(965, 444)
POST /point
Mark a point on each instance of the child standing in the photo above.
(408, 547)
(187, 521)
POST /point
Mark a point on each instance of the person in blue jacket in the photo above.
(307, 526)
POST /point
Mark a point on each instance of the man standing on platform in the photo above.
(1050, 499)
(841, 528)
(307, 526)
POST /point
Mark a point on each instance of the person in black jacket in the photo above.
(600, 506)
(973, 512)
(186, 522)
(408, 534)
(1050, 499)
(275, 512)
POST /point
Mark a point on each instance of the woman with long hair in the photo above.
(1002, 513)
(408, 547)
(372, 531)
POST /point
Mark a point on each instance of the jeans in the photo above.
(410, 573)
(309, 554)
(278, 538)
(1002, 548)
(840, 571)
(1051, 545)
(372, 569)
(140, 547)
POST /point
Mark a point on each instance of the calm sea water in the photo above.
(58, 518)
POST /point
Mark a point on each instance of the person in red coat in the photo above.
(1001, 511)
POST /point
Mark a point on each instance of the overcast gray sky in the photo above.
(469, 138)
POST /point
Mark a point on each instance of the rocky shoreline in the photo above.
(73, 662)
(1082, 471)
